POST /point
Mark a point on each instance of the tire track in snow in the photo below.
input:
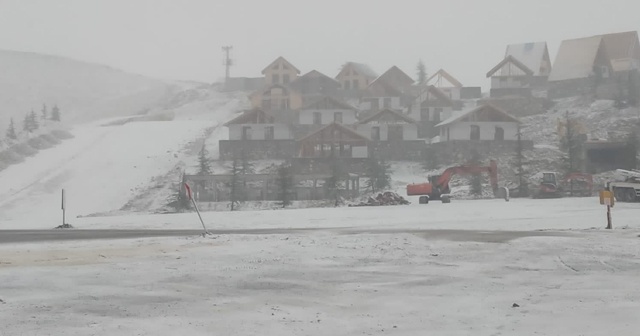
(567, 266)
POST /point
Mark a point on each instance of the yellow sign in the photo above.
(606, 198)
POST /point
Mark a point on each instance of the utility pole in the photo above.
(227, 62)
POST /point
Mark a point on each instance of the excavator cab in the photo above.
(547, 186)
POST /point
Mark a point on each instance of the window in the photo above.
(337, 117)
(355, 84)
(386, 103)
(475, 132)
(246, 132)
(375, 133)
(499, 135)
(266, 103)
(269, 133)
(285, 79)
(424, 114)
(437, 115)
(275, 78)
(317, 118)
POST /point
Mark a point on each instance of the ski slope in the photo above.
(104, 167)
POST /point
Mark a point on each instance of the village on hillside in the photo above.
(315, 136)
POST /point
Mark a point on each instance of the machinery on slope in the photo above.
(626, 187)
(438, 186)
(551, 185)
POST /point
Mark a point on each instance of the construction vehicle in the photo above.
(578, 184)
(438, 186)
(545, 185)
(551, 185)
(626, 187)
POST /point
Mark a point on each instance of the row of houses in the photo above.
(604, 66)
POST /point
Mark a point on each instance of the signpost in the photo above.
(606, 198)
(64, 208)
(195, 205)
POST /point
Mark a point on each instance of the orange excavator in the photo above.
(438, 186)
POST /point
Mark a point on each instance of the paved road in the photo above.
(35, 236)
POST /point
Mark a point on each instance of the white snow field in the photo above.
(361, 271)
(105, 167)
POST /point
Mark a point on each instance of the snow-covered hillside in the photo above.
(116, 162)
(83, 91)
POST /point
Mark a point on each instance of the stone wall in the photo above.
(257, 149)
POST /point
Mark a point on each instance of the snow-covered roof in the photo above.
(532, 55)
(485, 111)
(395, 77)
(388, 113)
(575, 58)
(622, 49)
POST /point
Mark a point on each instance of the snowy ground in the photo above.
(104, 168)
(385, 279)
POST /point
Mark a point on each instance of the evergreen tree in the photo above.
(520, 161)
(235, 185)
(33, 120)
(431, 159)
(571, 145)
(11, 131)
(44, 114)
(26, 123)
(332, 184)
(378, 175)
(55, 113)
(476, 179)
(204, 164)
(633, 146)
(179, 201)
(421, 71)
(285, 183)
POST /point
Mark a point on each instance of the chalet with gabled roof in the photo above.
(391, 90)
(257, 134)
(334, 140)
(394, 136)
(314, 85)
(510, 77)
(326, 110)
(484, 122)
(276, 97)
(451, 86)
(355, 76)
(280, 71)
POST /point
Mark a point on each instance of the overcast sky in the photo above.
(181, 39)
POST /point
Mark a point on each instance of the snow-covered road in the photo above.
(375, 280)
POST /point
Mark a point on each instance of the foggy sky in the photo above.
(174, 39)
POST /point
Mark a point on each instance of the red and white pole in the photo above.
(195, 205)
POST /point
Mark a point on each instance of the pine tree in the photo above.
(285, 183)
(378, 175)
(204, 164)
(55, 113)
(179, 201)
(431, 159)
(633, 146)
(44, 114)
(570, 143)
(26, 123)
(421, 71)
(235, 185)
(520, 161)
(476, 179)
(332, 184)
(11, 131)
(33, 120)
